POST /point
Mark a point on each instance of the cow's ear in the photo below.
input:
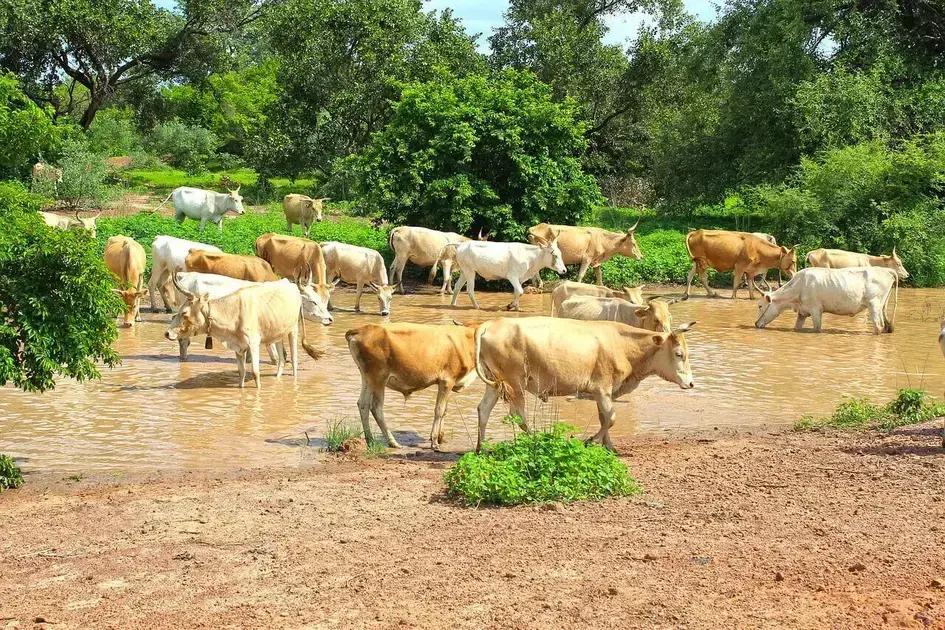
(659, 339)
(642, 311)
(767, 298)
(685, 327)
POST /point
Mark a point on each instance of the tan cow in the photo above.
(588, 246)
(654, 315)
(839, 259)
(43, 172)
(408, 358)
(741, 252)
(125, 258)
(424, 248)
(66, 223)
(291, 257)
(257, 314)
(560, 357)
(236, 266)
(568, 288)
(360, 266)
(302, 209)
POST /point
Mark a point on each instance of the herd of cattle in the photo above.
(250, 302)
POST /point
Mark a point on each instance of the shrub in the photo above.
(10, 474)
(539, 467)
(113, 133)
(911, 406)
(187, 146)
(83, 178)
(27, 133)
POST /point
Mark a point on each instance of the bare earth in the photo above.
(736, 530)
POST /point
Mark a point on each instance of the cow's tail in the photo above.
(390, 238)
(447, 253)
(161, 205)
(480, 368)
(311, 350)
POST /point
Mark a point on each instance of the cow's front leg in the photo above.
(220, 225)
(458, 287)
(203, 223)
(241, 367)
(799, 322)
(517, 294)
(357, 300)
(751, 285)
(600, 276)
(254, 356)
(737, 275)
(816, 317)
(583, 270)
(182, 344)
(436, 432)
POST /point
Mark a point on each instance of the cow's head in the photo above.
(318, 207)
(192, 317)
(314, 299)
(628, 244)
(655, 316)
(941, 337)
(234, 201)
(87, 224)
(788, 261)
(634, 294)
(385, 292)
(132, 300)
(551, 254)
(769, 307)
(895, 263)
(671, 361)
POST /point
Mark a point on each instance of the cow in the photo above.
(546, 357)
(840, 259)
(744, 253)
(291, 257)
(816, 290)
(424, 248)
(125, 258)
(204, 205)
(66, 223)
(250, 268)
(941, 336)
(264, 313)
(360, 266)
(301, 209)
(408, 358)
(654, 315)
(568, 288)
(588, 246)
(215, 286)
(168, 255)
(515, 262)
(43, 173)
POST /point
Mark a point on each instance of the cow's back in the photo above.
(573, 241)
(235, 266)
(125, 257)
(291, 255)
(292, 206)
(271, 309)
(171, 252)
(420, 245)
(719, 249)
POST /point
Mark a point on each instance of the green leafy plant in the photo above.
(339, 435)
(539, 467)
(26, 131)
(186, 146)
(910, 406)
(10, 474)
(83, 178)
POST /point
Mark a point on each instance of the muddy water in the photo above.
(154, 411)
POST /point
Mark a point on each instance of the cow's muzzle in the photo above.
(169, 335)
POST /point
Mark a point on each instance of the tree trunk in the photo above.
(96, 100)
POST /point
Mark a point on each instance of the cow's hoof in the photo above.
(168, 310)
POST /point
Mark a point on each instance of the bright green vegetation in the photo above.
(911, 406)
(539, 467)
(10, 474)
(339, 434)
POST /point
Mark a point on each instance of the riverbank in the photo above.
(739, 528)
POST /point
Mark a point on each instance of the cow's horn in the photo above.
(181, 289)
(633, 229)
(894, 251)
(480, 236)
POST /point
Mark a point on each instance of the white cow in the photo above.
(654, 315)
(816, 290)
(423, 247)
(167, 258)
(66, 223)
(515, 262)
(204, 205)
(941, 337)
(360, 266)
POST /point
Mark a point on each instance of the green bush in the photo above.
(539, 467)
(186, 146)
(911, 406)
(56, 296)
(494, 151)
(10, 474)
(83, 178)
(27, 133)
(113, 133)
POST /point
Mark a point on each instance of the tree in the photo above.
(494, 152)
(26, 131)
(101, 46)
(57, 307)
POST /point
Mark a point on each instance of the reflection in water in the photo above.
(154, 411)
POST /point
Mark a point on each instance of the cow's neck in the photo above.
(536, 264)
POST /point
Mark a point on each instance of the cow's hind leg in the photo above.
(397, 272)
(442, 397)
(377, 408)
(458, 287)
(877, 319)
(600, 276)
(690, 276)
(241, 367)
(357, 300)
(254, 356)
(517, 291)
(799, 322)
(605, 413)
(294, 351)
(486, 405)
(432, 277)
(816, 317)
(365, 402)
(447, 277)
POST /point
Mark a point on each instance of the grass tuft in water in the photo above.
(340, 436)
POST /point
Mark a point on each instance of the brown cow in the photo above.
(408, 358)
(740, 252)
(561, 357)
(125, 258)
(302, 210)
(232, 265)
(291, 257)
(588, 246)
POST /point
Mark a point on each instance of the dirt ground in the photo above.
(768, 529)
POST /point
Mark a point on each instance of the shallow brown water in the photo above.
(154, 411)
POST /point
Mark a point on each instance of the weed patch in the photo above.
(539, 467)
(10, 474)
(339, 436)
(910, 406)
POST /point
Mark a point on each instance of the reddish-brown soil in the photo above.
(738, 530)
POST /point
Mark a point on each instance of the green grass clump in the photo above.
(910, 406)
(10, 474)
(339, 435)
(539, 467)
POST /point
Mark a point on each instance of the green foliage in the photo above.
(114, 133)
(493, 152)
(338, 436)
(83, 178)
(10, 474)
(185, 146)
(539, 467)
(26, 131)
(56, 296)
(911, 406)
